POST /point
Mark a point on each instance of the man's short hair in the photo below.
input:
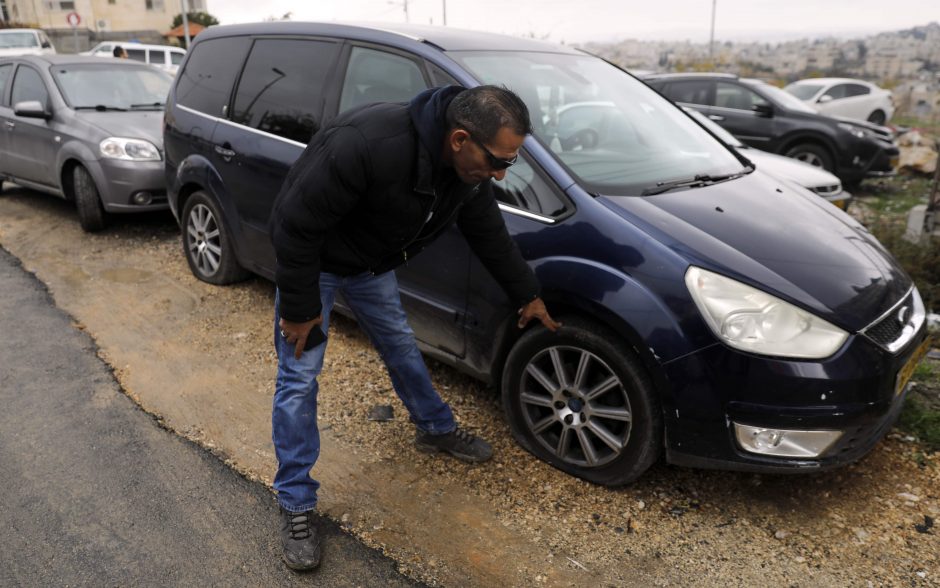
(118, 51)
(484, 110)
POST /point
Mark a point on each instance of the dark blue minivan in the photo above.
(711, 311)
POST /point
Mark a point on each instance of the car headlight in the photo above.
(857, 131)
(751, 320)
(129, 149)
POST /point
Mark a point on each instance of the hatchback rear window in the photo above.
(205, 84)
(282, 88)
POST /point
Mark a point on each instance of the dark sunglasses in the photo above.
(495, 163)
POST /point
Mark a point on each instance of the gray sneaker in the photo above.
(299, 540)
(459, 443)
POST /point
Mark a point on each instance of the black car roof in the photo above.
(445, 38)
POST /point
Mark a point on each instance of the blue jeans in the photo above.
(377, 306)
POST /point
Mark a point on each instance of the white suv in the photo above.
(24, 42)
(163, 56)
(845, 97)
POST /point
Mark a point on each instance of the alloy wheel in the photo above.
(203, 240)
(810, 158)
(576, 406)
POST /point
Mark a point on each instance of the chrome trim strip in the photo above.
(526, 214)
(241, 126)
(263, 133)
(196, 112)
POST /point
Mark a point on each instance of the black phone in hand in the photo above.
(314, 338)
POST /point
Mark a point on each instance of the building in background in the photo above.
(102, 20)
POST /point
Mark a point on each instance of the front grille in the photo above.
(828, 190)
(889, 331)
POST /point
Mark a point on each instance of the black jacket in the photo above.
(369, 192)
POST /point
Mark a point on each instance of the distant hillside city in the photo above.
(906, 62)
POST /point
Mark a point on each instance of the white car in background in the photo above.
(845, 97)
(165, 57)
(14, 42)
(815, 179)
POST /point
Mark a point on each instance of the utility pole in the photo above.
(711, 41)
(406, 11)
(445, 11)
(185, 22)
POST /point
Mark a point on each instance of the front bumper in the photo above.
(121, 180)
(854, 391)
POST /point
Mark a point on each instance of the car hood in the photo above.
(804, 174)
(789, 243)
(139, 124)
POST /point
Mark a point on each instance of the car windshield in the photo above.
(109, 87)
(611, 131)
(715, 128)
(782, 98)
(9, 40)
(804, 91)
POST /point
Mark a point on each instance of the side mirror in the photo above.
(31, 109)
(824, 99)
(764, 110)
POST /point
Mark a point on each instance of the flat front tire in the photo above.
(207, 242)
(580, 400)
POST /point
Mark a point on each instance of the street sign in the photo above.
(73, 19)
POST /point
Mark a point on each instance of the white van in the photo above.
(163, 56)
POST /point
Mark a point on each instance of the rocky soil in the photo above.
(200, 357)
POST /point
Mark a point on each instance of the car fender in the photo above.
(77, 150)
(195, 173)
(621, 302)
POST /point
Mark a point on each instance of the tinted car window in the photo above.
(137, 54)
(691, 91)
(735, 96)
(856, 90)
(525, 189)
(5, 71)
(282, 88)
(29, 86)
(441, 77)
(836, 92)
(377, 76)
(206, 82)
(157, 57)
(176, 58)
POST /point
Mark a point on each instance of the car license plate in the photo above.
(908, 370)
(840, 204)
(894, 161)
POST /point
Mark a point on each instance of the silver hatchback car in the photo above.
(86, 129)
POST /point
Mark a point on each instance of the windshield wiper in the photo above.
(696, 182)
(149, 105)
(100, 108)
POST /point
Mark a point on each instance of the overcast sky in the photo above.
(604, 20)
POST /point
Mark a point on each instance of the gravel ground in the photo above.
(868, 524)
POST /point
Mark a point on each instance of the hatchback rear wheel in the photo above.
(877, 117)
(207, 242)
(580, 400)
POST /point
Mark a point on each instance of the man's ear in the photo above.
(457, 139)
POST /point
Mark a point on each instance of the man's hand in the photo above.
(297, 333)
(536, 309)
